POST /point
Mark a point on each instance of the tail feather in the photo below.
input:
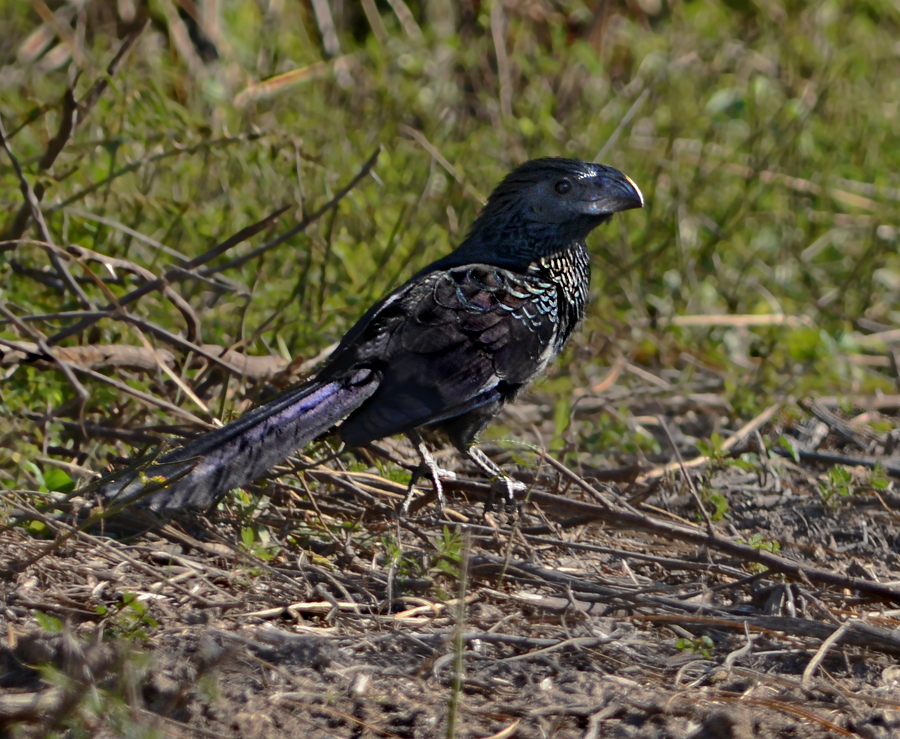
(245, 449)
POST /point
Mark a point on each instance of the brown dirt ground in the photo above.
(313, 613)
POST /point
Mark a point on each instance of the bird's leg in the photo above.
(434, 471)
(487, 465)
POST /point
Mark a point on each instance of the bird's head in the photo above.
(566, 192)
(543, 206)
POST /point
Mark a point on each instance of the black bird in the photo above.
(445, 351)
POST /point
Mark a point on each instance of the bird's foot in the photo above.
(502, 497)
(502, 485)
(428, 466)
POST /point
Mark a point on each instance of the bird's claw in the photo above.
(500, 483)
(505, 489)
(442, 474)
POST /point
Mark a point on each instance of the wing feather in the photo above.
(463, 338)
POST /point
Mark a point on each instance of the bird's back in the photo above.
(452, 347)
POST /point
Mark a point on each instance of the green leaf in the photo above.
(789, 445)
(48, 623)
(58, 481)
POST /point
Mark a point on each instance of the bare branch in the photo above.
(171, 276)
(44, 232)
(45, 350)
(303, 225)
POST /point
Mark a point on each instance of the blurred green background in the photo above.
(764, 133)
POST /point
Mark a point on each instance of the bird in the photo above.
(443, 352)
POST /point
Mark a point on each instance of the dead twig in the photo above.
(826, 647)
(301, 226)
(41, 344)
(126, 265)
(76, 112)
(832, 459)
(35, 207)
(631, 519)
(86, 430)
(688, 480)
(161, 283)
(742, 433)
(122, 356)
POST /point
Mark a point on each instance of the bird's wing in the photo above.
(452, 342)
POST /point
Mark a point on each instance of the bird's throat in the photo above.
(570, 270)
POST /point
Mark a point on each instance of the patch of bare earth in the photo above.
(609, 609)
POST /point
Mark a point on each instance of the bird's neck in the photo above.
(509, 242)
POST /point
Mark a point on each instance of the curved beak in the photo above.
(637, 197)
(618, 193)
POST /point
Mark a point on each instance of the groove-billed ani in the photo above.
(444, 351)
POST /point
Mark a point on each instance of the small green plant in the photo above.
(878, 478)
(714, 502)
(48, 623)
(747, 462)
(764, 545)
(612, 430)
(102, 700)
(449, 553)
(712, 448)
(129, 619)
(698, 645)
(562, 417)
(404, 562)
(838, 483)
(443, 560)
(37, 529)
(257, 541)
(147, 480)
(392, 472)
(53, 480)
(791, 448)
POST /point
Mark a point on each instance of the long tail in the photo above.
(245, 449)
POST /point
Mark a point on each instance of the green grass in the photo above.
(764, 136)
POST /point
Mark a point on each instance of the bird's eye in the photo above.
(563, 186)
